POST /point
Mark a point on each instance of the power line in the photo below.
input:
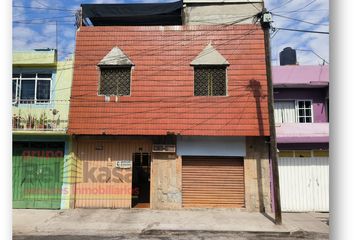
(309, 50)
(163, 48)
(40, 3)
(300, 30)
(254, 6)
(304, 6)
(42, 8)
(313, 10)
(299, 20)
(158, 69)
(48, 23)
(37, 19)
(275, 33)
(282, 5)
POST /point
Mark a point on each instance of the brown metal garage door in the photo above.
(213, 182)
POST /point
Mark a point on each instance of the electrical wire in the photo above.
(182, 60)
(304, 6)
(40, 3)
(180, 103)
(282, 5)
(309, 50)
(47, 8)
(300, 30)
(299, 20)
(259, 10)
(39, 19)
(155, 50)
(313, 10)
(177, 66)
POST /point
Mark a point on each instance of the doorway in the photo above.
(141, 180)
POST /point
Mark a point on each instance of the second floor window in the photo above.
(115, 81)
(210, 81)
(29, 88)
(304, 111)
(210, 73)
(293, 111)
(115, 73)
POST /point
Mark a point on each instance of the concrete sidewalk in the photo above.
(127, 221)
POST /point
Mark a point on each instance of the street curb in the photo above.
(297, 234)
(167, 234)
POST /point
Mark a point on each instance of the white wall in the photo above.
(211, 146)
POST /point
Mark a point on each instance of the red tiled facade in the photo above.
(162, 84)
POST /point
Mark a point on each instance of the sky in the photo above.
(36, 26)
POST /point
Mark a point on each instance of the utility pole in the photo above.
(266, 19)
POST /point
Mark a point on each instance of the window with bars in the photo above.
(210, 81)
(29, 88)
(115, 81)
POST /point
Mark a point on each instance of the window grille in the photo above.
(115, 81)
(210, 81)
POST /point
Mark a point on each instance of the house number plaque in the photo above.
(124, 164)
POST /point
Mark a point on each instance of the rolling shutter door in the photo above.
(213, 182)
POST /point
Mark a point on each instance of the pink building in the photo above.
(301, 107)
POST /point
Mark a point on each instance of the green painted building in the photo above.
(41, 88)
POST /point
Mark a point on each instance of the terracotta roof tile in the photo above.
(162, 85)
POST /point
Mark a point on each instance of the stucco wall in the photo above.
(221, 13)
(166, 182)
(257, 175)
(35, 57)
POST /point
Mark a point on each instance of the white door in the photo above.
(304, 184)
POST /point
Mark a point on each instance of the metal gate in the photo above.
(37, 174)
(213, 182)
(304, 184)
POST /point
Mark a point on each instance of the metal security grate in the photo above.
(210, 81)
(115, 81)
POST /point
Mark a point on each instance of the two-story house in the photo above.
(169, 107)
(41, 87)
(302, 127)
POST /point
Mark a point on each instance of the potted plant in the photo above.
(43, 121)
(30, 122)
(15, 121)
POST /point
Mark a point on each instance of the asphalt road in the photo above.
(186, 236)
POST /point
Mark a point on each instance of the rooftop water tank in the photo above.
(288, 56)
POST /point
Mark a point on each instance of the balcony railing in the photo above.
(31, 123)
(33, 118)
